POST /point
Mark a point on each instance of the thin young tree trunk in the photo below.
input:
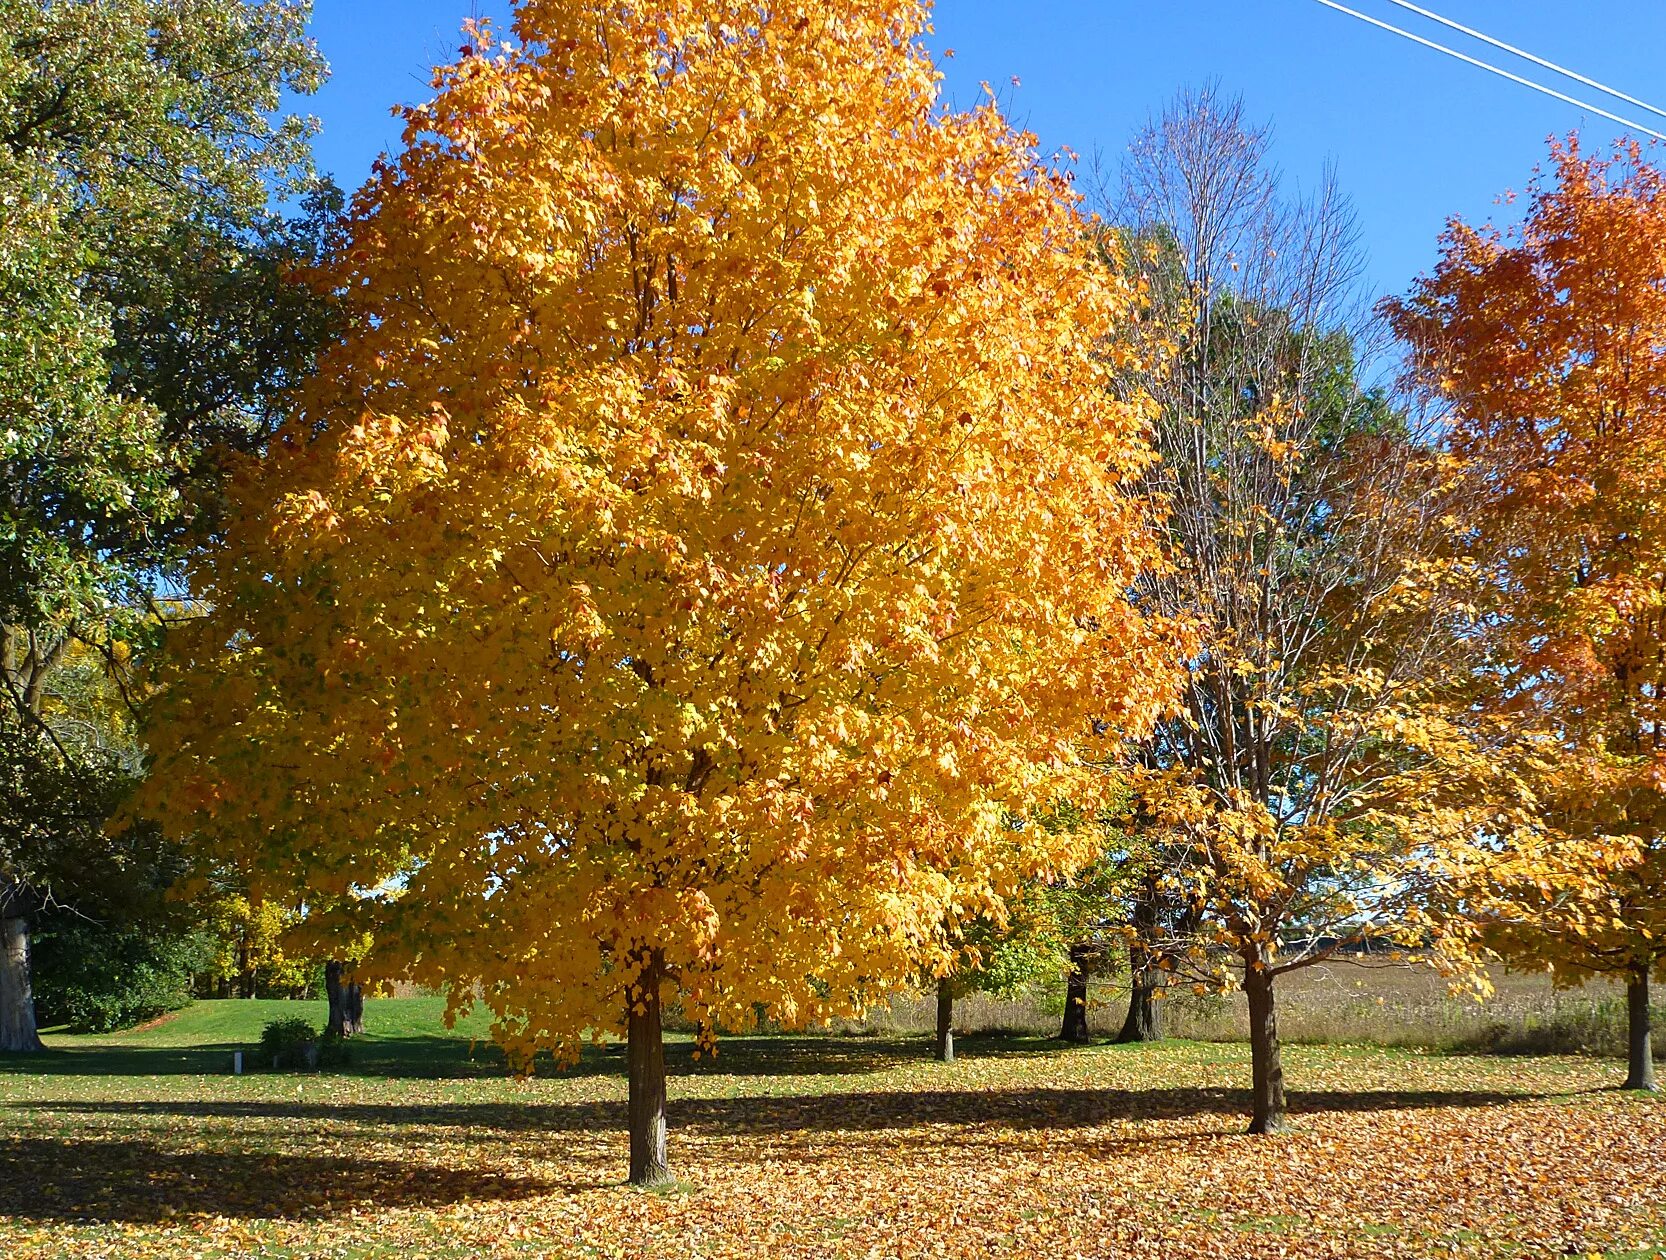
(1076, 996)
(945, 1021)
(1639, 1043)
(1267, 1068)
(646, 1051)
(18, 1032)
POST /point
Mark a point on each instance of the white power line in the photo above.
(1527, 56)
(1514, 78)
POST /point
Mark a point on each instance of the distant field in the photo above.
(1334, 1004)
(143, 1145)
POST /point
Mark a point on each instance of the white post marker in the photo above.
(237, 1063)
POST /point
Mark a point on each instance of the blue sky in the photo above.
(1415, 136)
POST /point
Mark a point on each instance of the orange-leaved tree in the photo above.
(705, 557)
(1549, 344)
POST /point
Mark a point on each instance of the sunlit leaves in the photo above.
(712, 536)
(1547, 344)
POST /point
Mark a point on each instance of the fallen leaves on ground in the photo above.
(839, 1148)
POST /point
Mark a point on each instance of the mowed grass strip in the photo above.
(143, 1144)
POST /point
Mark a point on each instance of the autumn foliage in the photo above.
(1321, 784)
(1548, 344)
(706, 557)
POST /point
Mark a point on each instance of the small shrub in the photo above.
(290, 1043)
(332, 1050)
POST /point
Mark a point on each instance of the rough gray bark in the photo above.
(18, 1033)
(1266, 1062)
(1639, 1042)
(1145, 1018)
(1075, 1026)
(646, 1052)
(346, 1002)
(945, 1021)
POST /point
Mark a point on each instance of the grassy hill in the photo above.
(403, 1036)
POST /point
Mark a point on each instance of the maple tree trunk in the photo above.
(17, 1000)
(1145, 1019)
(1076, 997)
(646, 1051)
(945, 1021)
(1144, 1022)
(1639, 1042)
(1266, 1063)
(346, 1002)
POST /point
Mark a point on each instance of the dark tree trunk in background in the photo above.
(18, 1033)
(945, 1021)
(1145, 1018)
(646, 1051)
(1267, 1067)
(245, 972)
(1639, 1043)
(1076, 995)
(346, 1002)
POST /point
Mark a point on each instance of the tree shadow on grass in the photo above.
(449, 1057)
(132, 1181)
(138, 1177)
(1036, 1108)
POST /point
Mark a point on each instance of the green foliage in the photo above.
(290, 1042)
(152, 310)
(1035, 954)
(142, 276)
(100, 977)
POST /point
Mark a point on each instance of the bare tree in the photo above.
(1305, 525)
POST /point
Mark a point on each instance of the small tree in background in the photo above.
(1322, 779)
(1000, 959)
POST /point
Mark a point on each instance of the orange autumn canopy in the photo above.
(711, 539)
(1550, 346)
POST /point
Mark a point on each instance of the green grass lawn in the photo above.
(144, 1144)
(407, 1037)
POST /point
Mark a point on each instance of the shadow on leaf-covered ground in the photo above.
(148, 1160)
(451, 1057)
(1039, 1108)
(133, 1180)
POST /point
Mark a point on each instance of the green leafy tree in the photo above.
(151, 315)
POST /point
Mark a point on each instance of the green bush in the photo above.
(290, 1043)
(332, 1050)
(101, 977)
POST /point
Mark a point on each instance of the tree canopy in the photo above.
(708, 550)
(1547, 345)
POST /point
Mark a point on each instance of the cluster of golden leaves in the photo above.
(1548, 345)
(1328, 779)
(839, 1149)
(712, 538)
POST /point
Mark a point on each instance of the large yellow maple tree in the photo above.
(1549, 345)
(707, 554)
